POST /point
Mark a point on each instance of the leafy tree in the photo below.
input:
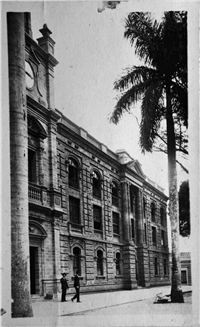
(161, 85)
(184, 208)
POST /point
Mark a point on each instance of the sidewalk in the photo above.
(93, 301)
(57, 313)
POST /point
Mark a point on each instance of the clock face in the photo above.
(29, 75)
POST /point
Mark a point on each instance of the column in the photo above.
(125, 211)
(142, 252)
(129, 268)
(139, 217)
(57, 272)
(20, 268)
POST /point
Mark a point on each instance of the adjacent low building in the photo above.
(186, 274)
(89, 208)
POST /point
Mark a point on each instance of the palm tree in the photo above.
(161, 85)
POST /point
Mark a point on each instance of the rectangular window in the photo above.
(133, 228)
(115, 223)
(32, 177)
(145, 232)
(97, 217)
(73, 177)
(74, 210)
(154, 238)
(114, 200)
(183, 276)
(133, 203)
(163, 243)
(165, 267)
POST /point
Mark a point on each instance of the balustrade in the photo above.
(35, 193)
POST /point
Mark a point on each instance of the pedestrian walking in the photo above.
(77, 287)
(64, 286)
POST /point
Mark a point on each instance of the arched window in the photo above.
(153, 212)
(144, 208)
(118, 265)
(145, 233)
(133, 228)
(36, 136)
(162, 216)
(165, 267)
(115, 201)
(76, 260)
(156, 266)
(73, 173)
(96, 183)
(99, 263)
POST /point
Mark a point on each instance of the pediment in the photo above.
(36, 229)
(35, 128)
(136, 167)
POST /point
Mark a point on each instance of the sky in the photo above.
(92, 53)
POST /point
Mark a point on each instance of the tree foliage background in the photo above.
(184, 208)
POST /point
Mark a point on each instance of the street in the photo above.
(120, 308)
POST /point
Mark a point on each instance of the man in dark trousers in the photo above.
(64, 286)
(77, 288)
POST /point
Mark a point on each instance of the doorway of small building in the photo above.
(34, 270)
(184, 276)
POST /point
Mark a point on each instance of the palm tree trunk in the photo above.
(176, 292)
(20, 270)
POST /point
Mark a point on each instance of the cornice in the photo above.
(41, 52)
(80, 141)
(48, 114)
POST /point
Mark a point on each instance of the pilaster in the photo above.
(139, 217)
(129, 267)
(125, 212)
(56, 250)
(143, 266)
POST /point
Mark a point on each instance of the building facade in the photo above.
(89, 208)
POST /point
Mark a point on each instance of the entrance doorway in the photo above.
(34, 269)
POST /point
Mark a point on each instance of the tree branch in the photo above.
(165, 151)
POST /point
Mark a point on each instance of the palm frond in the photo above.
(125, 101)
(135, 75)
(144, 33)
(132, 85)
(152, 111)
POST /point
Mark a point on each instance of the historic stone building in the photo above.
(89, 208)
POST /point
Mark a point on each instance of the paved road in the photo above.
(122, 308)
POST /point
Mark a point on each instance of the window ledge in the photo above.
(80, 278)
(98, 231)
(118, 276)
(74, 188)
(100, 277)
